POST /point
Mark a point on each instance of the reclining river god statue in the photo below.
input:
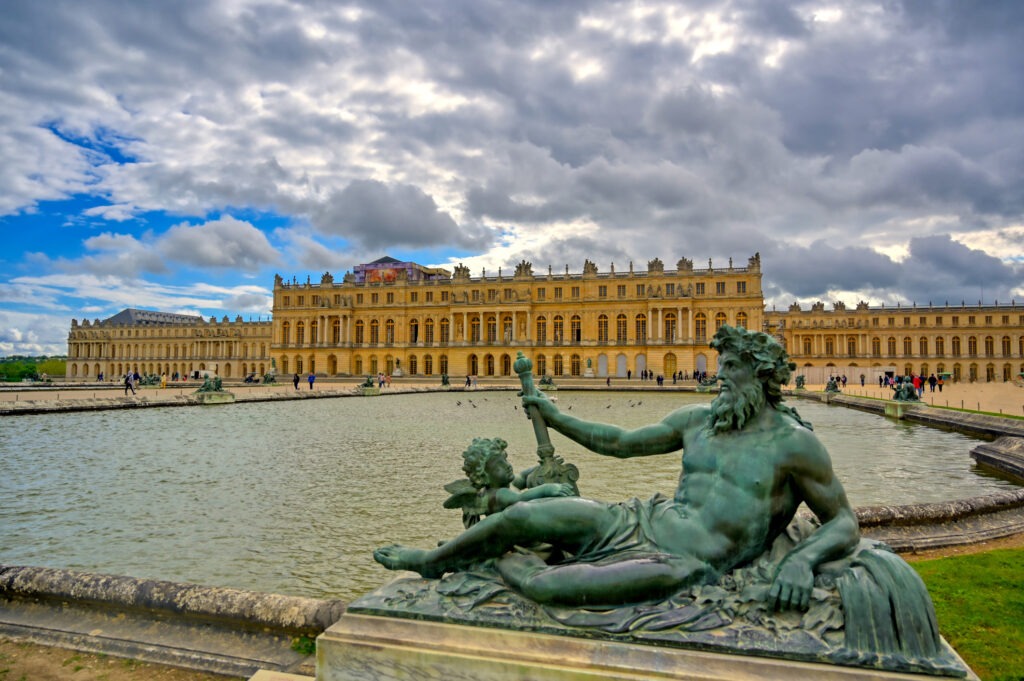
(725, 562)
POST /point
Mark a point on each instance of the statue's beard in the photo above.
(733, 408)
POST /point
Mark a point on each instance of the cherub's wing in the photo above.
(463, 494)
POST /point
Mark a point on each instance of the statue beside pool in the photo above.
(725, 564)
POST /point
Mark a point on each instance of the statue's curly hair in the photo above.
(477, 455)
(766, 356)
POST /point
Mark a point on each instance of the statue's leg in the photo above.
(565, 522)
(627, 581)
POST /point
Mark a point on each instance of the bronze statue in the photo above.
(485, 490)
(750, 462)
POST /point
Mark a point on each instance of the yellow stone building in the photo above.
(163, 343)
(401, 318)
(404, 319)
(969, 342)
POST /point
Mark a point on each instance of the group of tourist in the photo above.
(919, 382)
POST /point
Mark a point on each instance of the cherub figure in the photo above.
(486, 488)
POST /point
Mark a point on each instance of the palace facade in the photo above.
(165, 343)
(401, 318)
(969, 342)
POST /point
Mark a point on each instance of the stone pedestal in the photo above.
(215, 398)
(898, 409)
(369, 392)
(368, 648)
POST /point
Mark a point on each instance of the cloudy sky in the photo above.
(176, 155)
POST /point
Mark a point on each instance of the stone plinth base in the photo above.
(369, 392)
(215, 398)
(368, 648)
(898, 409)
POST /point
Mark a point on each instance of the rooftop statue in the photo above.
(725, 561)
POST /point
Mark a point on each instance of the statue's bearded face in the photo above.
(741, 397)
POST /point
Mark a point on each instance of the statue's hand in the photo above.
(792, 586)
(559, 489)
(546, 408)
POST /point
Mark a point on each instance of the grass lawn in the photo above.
(979, 602)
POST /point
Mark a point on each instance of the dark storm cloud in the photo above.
(376, 215)
(813, 271)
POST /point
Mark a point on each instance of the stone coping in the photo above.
(290, 614)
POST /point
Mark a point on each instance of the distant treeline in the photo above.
(18, 368)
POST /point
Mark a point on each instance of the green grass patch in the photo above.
(979, 603)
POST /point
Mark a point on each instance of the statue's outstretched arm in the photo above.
(603, 438)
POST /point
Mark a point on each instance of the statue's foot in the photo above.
(398, 557)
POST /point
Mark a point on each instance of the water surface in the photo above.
(291, 497)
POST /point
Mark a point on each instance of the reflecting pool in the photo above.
(291, 497)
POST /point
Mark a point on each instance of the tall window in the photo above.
(719, 321)
(956, 346)
(891, 346)
(444, 364)
(428, 365)
(922, 346)
(574, 365)
(851, 347)
(428, 332)
(972, 346)
(620, 329)
(990, 346)
(575, 329)
(741, 317)
(602, 329)
(876, 346)
(314, 336)
(542, 365)
(375, 331)
(414, 332)
(559, 330)
(700, 326)
(336, 332)
(940, 346)
(286, 333)
(670, 327)
(830, 346)
(446, 329)
(641, 328)
(542, 331)
(300, 334)
(908, 346)
(389, 331)
(1006, 346)
(558, 365)
(807, 346)
(359, 332)
(492, 329)
(474, 331)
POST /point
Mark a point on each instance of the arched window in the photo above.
(876, 346)
(574, 365)
(830, 346)
(360, 327)
(444, 364)
(558, 329)
(474, 330)
(719, 321)
(558, 365)
(414, 331)
(620, 329)
(412, 364)
(428, 332)
(641, 328)
(700, 326)
(851, 347)
(908, 346)
(446, 327)
(489, 364)
(807, 345)
(671, 327)
(428, 365)
(542, 330)
(972, 346)
(389, 332)
(1006, 346)
(575, 329)
(923, 346)
(506, 329)
(891, 346)
(542, 365)
(492, 330)
(300, 334)
(990, 347)
(286, 333)
(506, 365)
(336, 332)
(741, 319)
(602, 329)
(314, 337)
(474, 365)
(940, 346)
(374, 332)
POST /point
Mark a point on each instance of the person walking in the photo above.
(295, 381)
(311, 378)
(128, 384)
